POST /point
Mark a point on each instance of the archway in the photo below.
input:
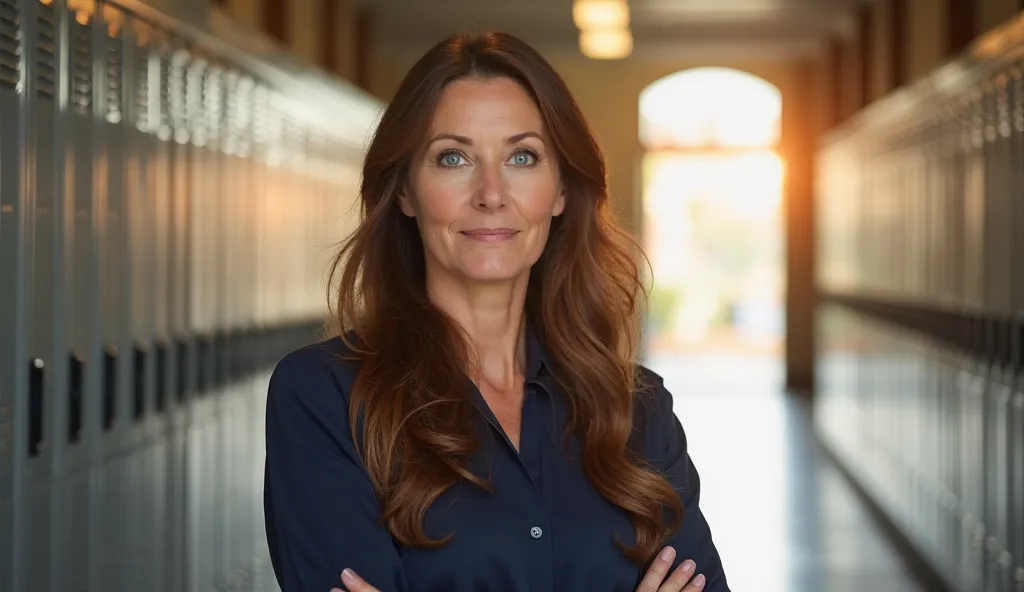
(712, 194)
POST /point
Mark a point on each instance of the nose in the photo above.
(490, 194)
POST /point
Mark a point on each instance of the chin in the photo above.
(494, 269)
(492, 276)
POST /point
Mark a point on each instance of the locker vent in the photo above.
(10, 44)
(260, 116)
(81, 67)
(114, 61)
(46, 51)
(163, 96)
(142, 89)
(172, 93)
(213, 99)
(194, 100)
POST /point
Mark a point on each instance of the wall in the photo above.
(323, 33)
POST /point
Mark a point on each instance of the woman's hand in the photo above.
(353, 583)
(655, 580)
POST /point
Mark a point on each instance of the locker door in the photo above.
(16, 218)
(48, 373)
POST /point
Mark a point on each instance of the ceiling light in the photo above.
(609, 44)
(600, 14)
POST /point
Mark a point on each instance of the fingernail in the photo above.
(699, 581)
(688, 566)
(350, 578)
(667, 553)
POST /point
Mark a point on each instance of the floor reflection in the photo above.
(783, 517)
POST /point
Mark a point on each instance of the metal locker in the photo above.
(140, 521)
(176, 162)
(16, 234)
(44, 374)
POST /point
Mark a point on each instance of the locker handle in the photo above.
(183, 374)
(139, 384)
(204, 353)
(161, 376)
(109, 387)
(74, 398)
(35, 406)
(218, 360)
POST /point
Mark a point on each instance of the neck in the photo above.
(492, 317)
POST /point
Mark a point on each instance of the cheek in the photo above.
(436, 206)
(538, 199)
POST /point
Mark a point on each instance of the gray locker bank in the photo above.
(161, 185)
(921, 273)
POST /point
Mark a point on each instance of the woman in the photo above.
(483, 426)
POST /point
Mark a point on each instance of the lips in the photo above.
(489, 234)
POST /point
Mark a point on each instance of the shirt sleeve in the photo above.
(322, 512)
(667, 452)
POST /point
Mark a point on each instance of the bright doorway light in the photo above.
(712, 222)
(708, 107)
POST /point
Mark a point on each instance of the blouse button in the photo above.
(536, 532)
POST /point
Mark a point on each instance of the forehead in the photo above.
(494, 102)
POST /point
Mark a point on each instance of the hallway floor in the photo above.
(783, 517)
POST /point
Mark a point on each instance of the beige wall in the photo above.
(992, 13)
(305, 28)
(881, 19)
(926, 23)
(346, 46)
(247, 12)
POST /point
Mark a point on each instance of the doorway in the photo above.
(713, 230)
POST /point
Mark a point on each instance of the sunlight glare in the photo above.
(705, 107)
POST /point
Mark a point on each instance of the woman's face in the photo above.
(485, 184)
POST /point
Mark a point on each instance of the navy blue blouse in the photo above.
(543, 528)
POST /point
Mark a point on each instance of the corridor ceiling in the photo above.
(660, 27)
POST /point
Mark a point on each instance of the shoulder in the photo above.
(651, 397)
(317, 376)
(655, 425)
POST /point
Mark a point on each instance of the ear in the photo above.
(406, 204)
(559, 203)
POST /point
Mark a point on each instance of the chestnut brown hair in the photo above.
(410, 403)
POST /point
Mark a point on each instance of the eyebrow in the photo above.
(464, 140)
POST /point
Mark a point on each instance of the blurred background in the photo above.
(830, 193)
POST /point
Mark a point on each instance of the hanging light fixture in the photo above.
(600, 14)
(604, 28)
(610, 44)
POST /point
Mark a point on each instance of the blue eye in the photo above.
(449, 159)
(524, 158)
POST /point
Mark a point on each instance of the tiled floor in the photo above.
(783, 517)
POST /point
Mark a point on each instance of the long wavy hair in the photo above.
(410, 406)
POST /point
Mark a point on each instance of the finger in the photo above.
(354, 583)
(696, 584)
(656, 573)
(679, 577)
